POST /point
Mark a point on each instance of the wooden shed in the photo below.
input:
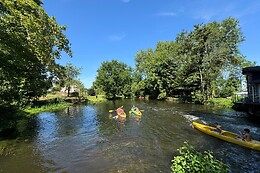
(253, 83)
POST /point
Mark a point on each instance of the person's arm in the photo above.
(248, 137)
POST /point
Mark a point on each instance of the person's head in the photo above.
(247, 130)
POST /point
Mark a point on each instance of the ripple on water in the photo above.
(85, 139)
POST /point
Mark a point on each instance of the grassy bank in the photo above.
(94, 99)
(221, 102)
(50, 107)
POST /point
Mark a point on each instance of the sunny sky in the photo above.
(102, 30)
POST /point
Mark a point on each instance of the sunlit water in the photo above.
(86, 139)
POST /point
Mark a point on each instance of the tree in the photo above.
(208, 50)
(114, 78)
(39, 2)
(158, 69)
(70, 77)
(30, 44)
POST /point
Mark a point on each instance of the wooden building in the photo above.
(253, 88)
(253, 83)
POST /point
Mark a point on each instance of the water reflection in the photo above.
(63, 137)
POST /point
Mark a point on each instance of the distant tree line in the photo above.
(200, 64)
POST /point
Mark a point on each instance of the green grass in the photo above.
(45, 108)
(221, 102)
(61, 105)
(93, 99)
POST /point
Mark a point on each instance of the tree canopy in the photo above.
(192, 63)
(30, 44)
(70, 77)
(114, 78)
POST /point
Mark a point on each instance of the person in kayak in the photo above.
(246, 136)
(119, 110)
(218, 128)
(134, 108)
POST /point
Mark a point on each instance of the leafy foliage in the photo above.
(191, 160)
(192, 64)
(208, 50)
(69, 77)
(158, 69)
(114, 78)
(30, 42)
(222, 102)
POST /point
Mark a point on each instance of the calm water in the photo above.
(86, 139)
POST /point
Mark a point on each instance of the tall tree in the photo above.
(70, 77)
(30, 44)
(208, 50)
(158, 69)
(114, 78)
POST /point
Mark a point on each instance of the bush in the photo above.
(162, 96)
(191, 160)
(223, 102)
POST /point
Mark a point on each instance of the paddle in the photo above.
(114, 110)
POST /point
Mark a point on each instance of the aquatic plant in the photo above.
(191, 160)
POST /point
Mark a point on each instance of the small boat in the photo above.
(120, 112)
(227, 136)
(134, 110)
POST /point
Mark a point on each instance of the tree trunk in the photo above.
(68, 90)
(202, 89)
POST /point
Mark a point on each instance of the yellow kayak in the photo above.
(227, 136)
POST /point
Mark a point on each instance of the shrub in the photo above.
(191, 160)
(223, 102)
(161, 96)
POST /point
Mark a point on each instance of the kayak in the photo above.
(227, 136)
(121, 113)
(135, 112)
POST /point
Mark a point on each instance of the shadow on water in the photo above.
(87, 138)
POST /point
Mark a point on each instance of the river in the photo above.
(84, 138)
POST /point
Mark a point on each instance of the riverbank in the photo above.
(51, 107)
(216, 102)
(57, 101)
(221, 102)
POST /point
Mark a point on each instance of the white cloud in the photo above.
(117, 37)
(166, 14)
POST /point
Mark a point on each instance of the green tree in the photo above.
(70, 77)
(39, 2)
(30, 44)
(114, 78)
(158, 69)
(208, 50)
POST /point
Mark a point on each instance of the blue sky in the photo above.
(102, 30)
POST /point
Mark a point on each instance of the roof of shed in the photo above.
(251, 69)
